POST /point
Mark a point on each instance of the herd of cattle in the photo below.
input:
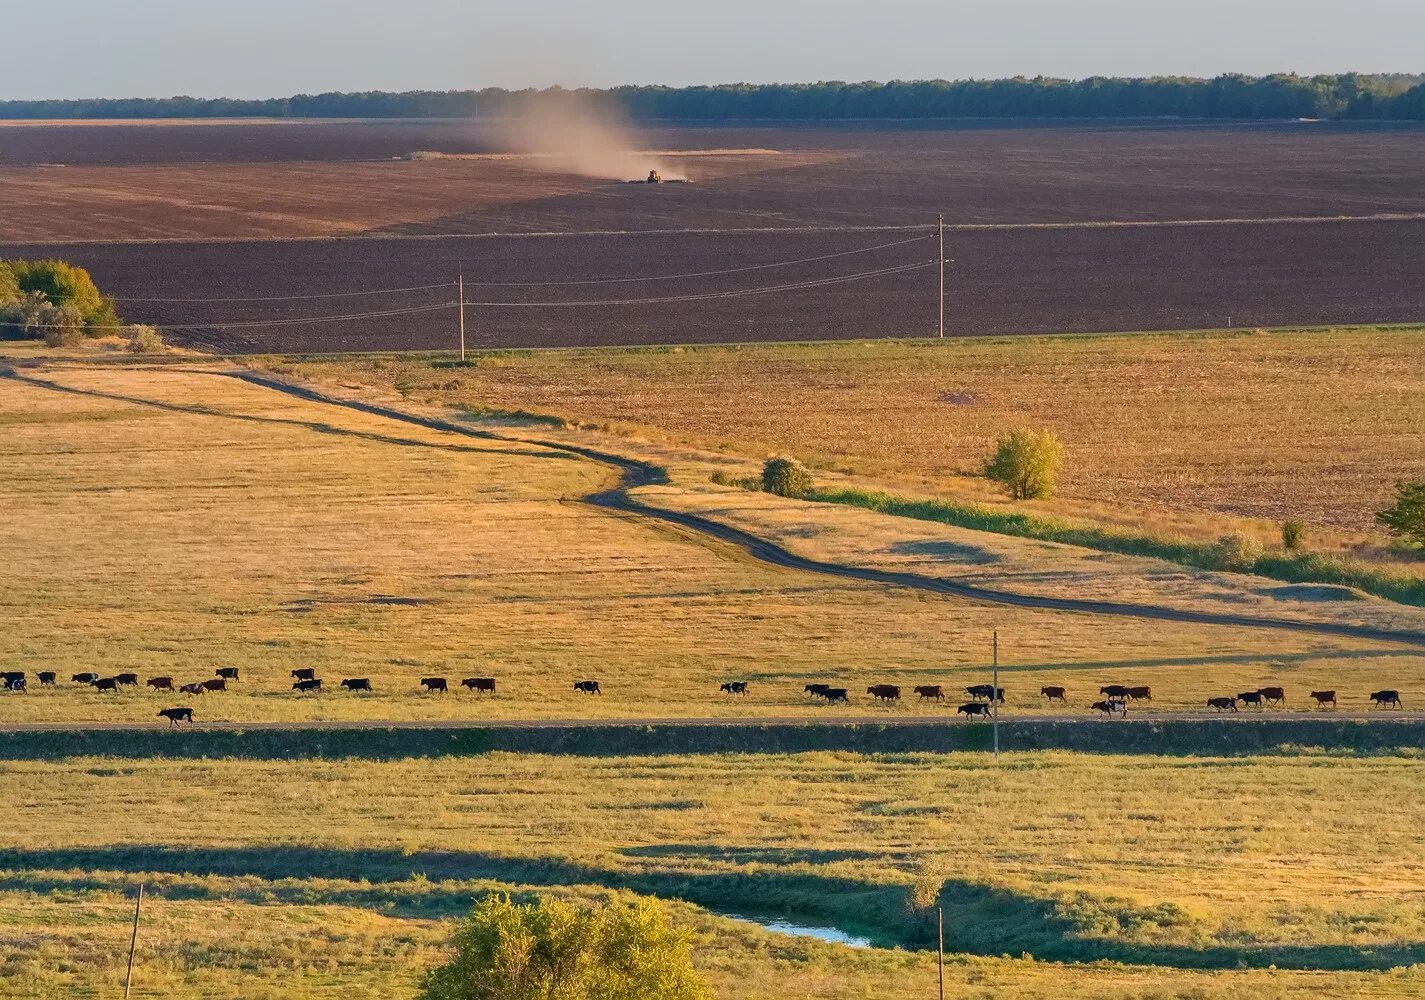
(1114, 698)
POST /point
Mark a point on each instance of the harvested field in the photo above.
(1314, 426)
(1004, 281)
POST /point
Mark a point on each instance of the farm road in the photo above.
(634, 473)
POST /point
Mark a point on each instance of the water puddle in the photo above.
(779, 926)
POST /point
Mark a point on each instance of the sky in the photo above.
(267, 48)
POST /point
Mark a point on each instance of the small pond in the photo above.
(780, 926)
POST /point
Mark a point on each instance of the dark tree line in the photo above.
(1349, 96)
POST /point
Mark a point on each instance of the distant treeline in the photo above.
(1350, 96)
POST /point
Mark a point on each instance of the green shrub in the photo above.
(1236, 552)
(9, 286)
(35, 316)
(1293, 535)
(1026, 462)
(787, 477)
(1406, 518)
(553, 950)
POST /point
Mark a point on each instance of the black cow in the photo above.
(1111, 706)
(310, 684)
(972, 709)
(1250, 698)
(1223, 704)
(17, 684)
(833, 695)
(1386, 698)
(433, 684)
(130, 679)
(105, 684)
(1115, 692)
(227, 673)
(985, 692)
(588, 687)
(86, 678)
(935, 691)
(8, 677)
(357, 684)
(478, 684)
(216, 684)
(734, 687)
(1055, 694)
(46, 678)
(819, 690)
(195, 688)
(885, 692)
(177, 715)
(304, 674)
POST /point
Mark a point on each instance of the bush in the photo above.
(62, 285)
(1406, 519)
(1236, 552)
(34, 316)
(787, 477)
(1026, 462)
(1293, 535)
(143, 340)
(9, 286)
(552, 950)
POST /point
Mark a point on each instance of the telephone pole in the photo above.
(940, 230)
(133, 943)
(460, 287)
(994, 696)
(940, 946)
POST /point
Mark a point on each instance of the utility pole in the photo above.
(940, 946)
(460, 287)
(133, 943)
(940, 228)
(994, 696)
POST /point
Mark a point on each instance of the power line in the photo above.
(696, 274)
(261, 322)
(289, 298)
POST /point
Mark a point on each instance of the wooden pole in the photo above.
(994, 695)
(940, 946)
(133, 943)
(940, 227)
(460, 286)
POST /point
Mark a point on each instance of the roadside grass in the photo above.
(231, 525)
(1171, 434)
(1191, 875)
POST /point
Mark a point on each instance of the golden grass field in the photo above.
(1174, 432)
(169, 522)
(1162, 877)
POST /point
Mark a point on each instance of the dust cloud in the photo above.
(573, 133)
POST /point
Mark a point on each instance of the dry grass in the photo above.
(1168, 431)
(313, 879)
(242, 527)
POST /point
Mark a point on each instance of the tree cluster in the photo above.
(53, 300)
(1230, 96)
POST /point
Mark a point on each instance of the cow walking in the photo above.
(885, 692)
(974, 710)
(433, 684)
(310, 684)
(161, 683)
(479, 684)
(357, 683)
(1055, 694)
(930, 691)
(588, 687)
(176, 715)
(1386, 699)
(734, 687)
(1324, 698)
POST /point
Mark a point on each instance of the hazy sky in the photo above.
(260, 48)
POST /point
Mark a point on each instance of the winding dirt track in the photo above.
(634, 473)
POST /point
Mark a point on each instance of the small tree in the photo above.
(62, 284)
(787, 477)
(142, 339)
(1406, 519)
(552, 950)
(9, 287)
(1026, 462)
(1293, 535)
(1236, 552)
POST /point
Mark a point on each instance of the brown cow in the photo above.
(1144, 693)
(176, 715)
(1386, 698)
(194, 688)
(1324, 698)
(971, 709)
(216, 684)
(1222, 704)
(1273, 695)
(885, 692)
(1055, 694)
(478, 684)
(161, 683)
(935, 691)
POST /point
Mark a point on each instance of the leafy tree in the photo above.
(1293, 534)
(65, 285)
(787, 477)
(1406, 519)
(553, 950)
(1026, 462)
(9, 286)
